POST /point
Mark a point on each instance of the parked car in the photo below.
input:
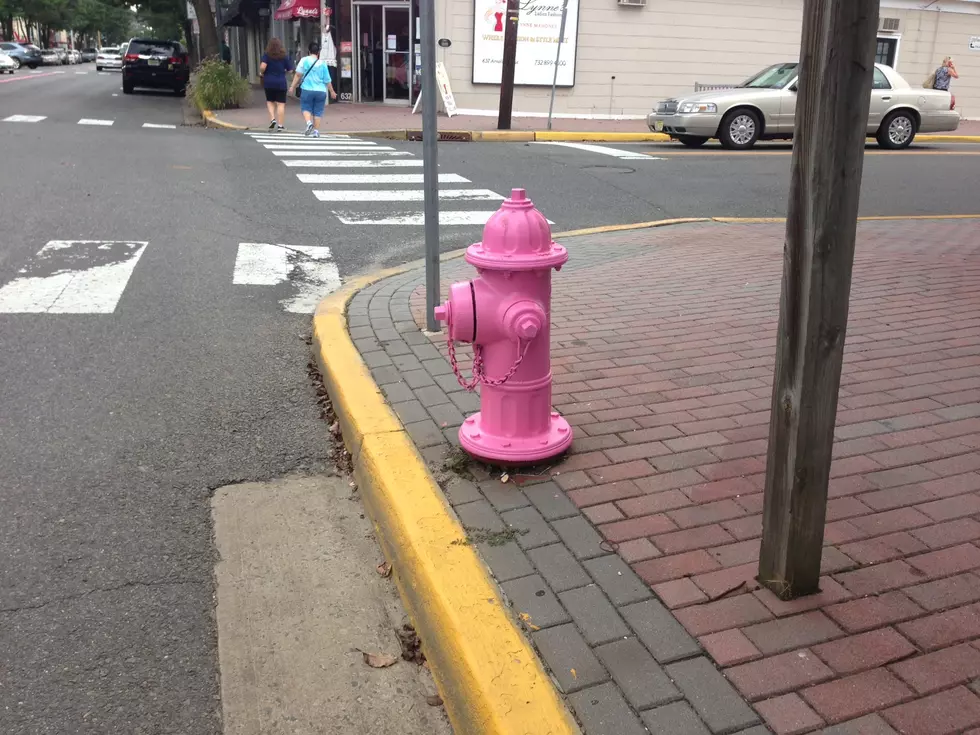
(7, 64)
(74, 56)
(109, 57)
(89, 54)
(23, 54)
(156, 64)
(764, 108)
(52, 57)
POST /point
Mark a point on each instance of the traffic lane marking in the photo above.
(21, 78)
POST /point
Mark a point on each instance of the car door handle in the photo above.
(886, 99)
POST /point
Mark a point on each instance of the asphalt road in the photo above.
(121, 415)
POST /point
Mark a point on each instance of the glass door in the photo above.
(398, 57)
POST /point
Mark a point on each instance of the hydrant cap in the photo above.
(517, 237)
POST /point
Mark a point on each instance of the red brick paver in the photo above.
(667, 355)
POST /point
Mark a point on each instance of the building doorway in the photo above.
(385, 50)
(886, 51)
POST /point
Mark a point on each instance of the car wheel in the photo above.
(98, 68)
(127, 88)
(897, 130)
(740, 129)
(692, 141)
(16, 63)
(181, 91)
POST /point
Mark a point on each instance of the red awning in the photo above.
(296, 9)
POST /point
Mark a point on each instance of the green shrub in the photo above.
(217, 86)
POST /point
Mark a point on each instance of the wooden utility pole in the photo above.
(837, 64)
(508, 65)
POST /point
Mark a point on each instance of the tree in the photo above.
(209, 32)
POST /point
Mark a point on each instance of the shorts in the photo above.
(313, 102)
(275, 95)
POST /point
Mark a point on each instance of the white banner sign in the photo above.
(974, 43)
(537, 42)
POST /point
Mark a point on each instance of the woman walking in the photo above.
(313, 78)
(944, 73)
(273, 69)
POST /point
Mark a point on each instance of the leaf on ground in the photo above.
(379, 660)
(434, 700)
(384, 569)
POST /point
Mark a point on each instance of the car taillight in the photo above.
(131, 57)
(174, 59)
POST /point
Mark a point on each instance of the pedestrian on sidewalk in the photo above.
(944, 74)
(273, 69)
(314, 81)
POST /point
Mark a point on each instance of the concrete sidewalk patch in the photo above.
(487, 673)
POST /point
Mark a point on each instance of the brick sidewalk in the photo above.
(353, 118)
(636, 566)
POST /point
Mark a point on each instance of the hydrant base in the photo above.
(513, 450)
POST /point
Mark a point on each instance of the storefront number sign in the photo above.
(537, 42)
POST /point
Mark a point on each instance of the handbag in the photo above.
(299, 89)
(929, 83)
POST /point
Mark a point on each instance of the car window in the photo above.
(880, 80)
(7, 46)
(775, 77)
(151, 49)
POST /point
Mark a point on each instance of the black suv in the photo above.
(156, 64)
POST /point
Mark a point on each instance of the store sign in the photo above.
(974, 43)
(537, 42)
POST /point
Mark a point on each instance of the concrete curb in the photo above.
(489, 677)
(530, 136)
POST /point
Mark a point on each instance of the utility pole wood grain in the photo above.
(508, 65)
(837, 65)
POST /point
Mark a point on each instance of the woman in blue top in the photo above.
(313, 78)
(273, 69)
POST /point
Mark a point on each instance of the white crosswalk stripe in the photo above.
(25, 118)
(366, 181)
(97, 122)
(73, 277)
(159, 126)
(309, 269)
(311, 163)
(620, 153)
(91, 121)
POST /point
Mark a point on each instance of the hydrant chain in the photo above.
(479, 372)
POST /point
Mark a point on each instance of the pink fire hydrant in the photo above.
(506, 314)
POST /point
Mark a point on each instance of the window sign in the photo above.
(537, 42)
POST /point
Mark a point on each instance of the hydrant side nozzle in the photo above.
(441, 312)
(528, 327)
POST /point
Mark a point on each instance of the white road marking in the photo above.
(81, 72)
(305, 163)
(287, 134)
(339, 145)
(160, 126)
(73, 277)
(401, 195)
(414, 218)
(377, 179)
(309, 268)
(91, 121)
(25, 118)
(603, 150)
(342, 154)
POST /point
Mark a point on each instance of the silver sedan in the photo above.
(764, 108)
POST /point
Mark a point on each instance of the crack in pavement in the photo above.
(80, 595)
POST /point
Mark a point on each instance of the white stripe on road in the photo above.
(603, 150)
(73, 277)
(81, 72)
(91, 121)
(377, 179)
(322, 148)
(305, 163)
(25, 118)
(160, 126)
(380, 152)
(335, 145)
(309, 268)
(400, 195)
(286, 134)
(414, 218)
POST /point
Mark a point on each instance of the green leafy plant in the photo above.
(217, 86)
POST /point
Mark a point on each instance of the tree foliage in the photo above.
(115, 19)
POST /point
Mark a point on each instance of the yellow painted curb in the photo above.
(938, 138)
(212, 120)
(636, 226)
(488, 675)
(553, 136)
(503, 136)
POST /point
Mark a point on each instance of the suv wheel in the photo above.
(740, 129)
(127, 88)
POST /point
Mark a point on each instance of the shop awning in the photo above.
(296, 9)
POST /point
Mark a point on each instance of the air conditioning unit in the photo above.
(889, 24)
(632, 3)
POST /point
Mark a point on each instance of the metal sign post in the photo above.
(554, 80)
(430, 171)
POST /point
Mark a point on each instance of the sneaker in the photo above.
(316, 133)
(272, 125)
(309, 128)
(280, 128)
